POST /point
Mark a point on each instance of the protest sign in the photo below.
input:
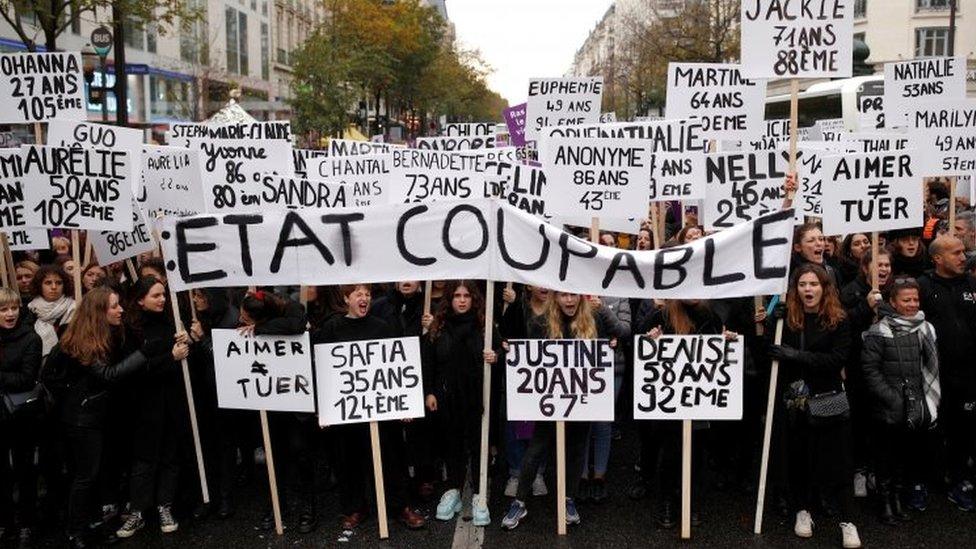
(663, 136)
(39, 87)
(272, 373)
(677, 176)
(831, 126)
(811, 173)
(366, 177)
(172, 179)
(12, 199)
(28, 239)
(596, 177)
(469, 130)
(232, 170)
(871, 110)
(278, 191)
(65, 133)
(370, 380)
(697, 377)
(181, 133)
(477, 239)
(76, 188)
(351, 147)
(784, 39)
(727, 105)
(946, 133)
(883, 141)
(301, 158)
(908, 82)
(523, 188)
(872, 192)
(559, 380)
(455, 143)
(562, 101)
(777, 134)
(426, 176)
(515, 120)
(112, 246)
(742, 186)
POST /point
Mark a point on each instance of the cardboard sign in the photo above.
(872, 192)
(301, 159)
(77, 188)
(908, 82)
(515, 120)
(562, 102)
(371, 380)
(469, 130)
(112, 246)
(743, 186)
(452, 143)
(811, 173)
(475, 239)
(63, 133)
(367, 177)
(887, 141)
(13, 203)
(793, 39)
(271, 373)
(25, 240)
(39, 87)
(696, 377)
(946, 131)
(559, 380)
(596, 177)
(181, 133)
(727, 105)
(427, 176)
(282, 192)
(232, 170)
(350, 147)
(172, 179)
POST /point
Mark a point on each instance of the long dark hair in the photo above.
(262, 305)
(830, 313)
(90, 338)
(445, 310)
(134, 314)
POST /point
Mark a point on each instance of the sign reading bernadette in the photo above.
(476, 239)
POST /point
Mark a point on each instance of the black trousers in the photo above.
(157, 450)
(959, 424)
(461, 430)
(85, 447)
(899, 454)
(17, 443)
(354, 466)
(544, 439)
(293, 438)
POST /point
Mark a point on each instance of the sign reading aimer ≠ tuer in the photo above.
(263, 372)
(872, 192)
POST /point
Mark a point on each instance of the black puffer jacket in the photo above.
(889, 365)
(20, 357)
(950, 306)
(83, 397)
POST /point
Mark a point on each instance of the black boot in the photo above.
(667, 515)
(76, 542)
(886, 514)
(900, 513)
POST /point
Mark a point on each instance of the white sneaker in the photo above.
(539, 486)
(511, 487)
(860, 485)
(849, 533)
(803, 527)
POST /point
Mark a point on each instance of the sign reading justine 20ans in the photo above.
(688, 377)
(797, 39)
(263, 372)
(40, 86)
(559, 380)
(370, 380)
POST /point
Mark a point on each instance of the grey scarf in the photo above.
(897, 326)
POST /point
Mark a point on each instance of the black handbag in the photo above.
(829, 407)
(31, 403)
(916, 414)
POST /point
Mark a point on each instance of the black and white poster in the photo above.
(272, 373)
(39, 87)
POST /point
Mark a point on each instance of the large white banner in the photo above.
(729, 106)
(559, 380)
(946, 133)
(479, 239)
(39, 87)
(872, 192)
(688, 377)
(271, 373)
(172, 179)
(794, 39)
(561, 102)
(908, 82)
(370, 380)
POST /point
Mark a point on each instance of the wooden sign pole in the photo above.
(272, 477)
(486, 395)
(8, 260)
(76, 276)
(686, 479)
(374, 439)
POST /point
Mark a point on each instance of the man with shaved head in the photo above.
(949, 302)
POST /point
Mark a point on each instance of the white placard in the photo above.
(794, 39)
(728, 106)
(872, 192)
(39, 87)
(677, 176)
(742, 186)
(596, 177)
(271, 373)
(908, 82)
(562, 102)
(25, 240)
(181, 133)
(428, 176)
(112, 246)
(351, 147)
(468, 129)
(65, 133)
(946, 132)
(696, 377)
(77, 188)
(559, 380)
(301, 158)
(370, 380)
(172, 180)
(455, 143)
(281, 192)
(232, 170)
(523, 188)
(367, 177)
(13, 201)
(811, 173)
(883, 141)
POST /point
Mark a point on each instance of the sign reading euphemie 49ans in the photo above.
(41, 86)
(797, 39)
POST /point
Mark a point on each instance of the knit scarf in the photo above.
(898, 326)
(51, 314)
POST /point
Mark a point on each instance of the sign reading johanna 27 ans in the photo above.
(38, 87)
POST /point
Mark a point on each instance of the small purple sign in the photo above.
(515, 120)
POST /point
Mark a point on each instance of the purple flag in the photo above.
(515, 120)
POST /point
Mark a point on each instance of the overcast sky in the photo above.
(522, 39)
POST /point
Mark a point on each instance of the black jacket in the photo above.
(291, 322)
(401, 312)
(83, 397)
(453, 363)
(823, 353)
(950, 306)
(889, 364)
(20, 357)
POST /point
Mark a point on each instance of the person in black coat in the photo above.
(809, 247)
(908, 255)
(161, 415)
(812, 455)
(20, 361)
(81, 372)
(901, 374)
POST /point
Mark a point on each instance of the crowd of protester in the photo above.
(876, 395)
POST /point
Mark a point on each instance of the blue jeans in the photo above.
(599, 438)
